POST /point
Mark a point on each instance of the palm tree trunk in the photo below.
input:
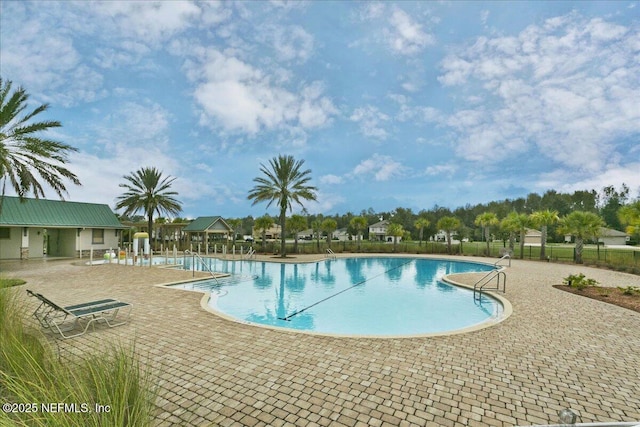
(543, 241)
(283, 219)
(486, 237)
(522, 233)
(449, 243)
(579, 247)
(150, 230)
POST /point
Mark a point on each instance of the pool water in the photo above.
(350, 296)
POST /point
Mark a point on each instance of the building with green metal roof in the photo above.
(33, 228)
(206, 226)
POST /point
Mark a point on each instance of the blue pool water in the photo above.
(349, 296)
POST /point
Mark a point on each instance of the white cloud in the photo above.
(151, 21)
(564, 87)
(568, 181)
(405, 36)
(290, 43)
(331, 179)
(444, 169)
(237, 96)
(370, 120)
(381, 167)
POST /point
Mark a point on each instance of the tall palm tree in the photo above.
(263, 224)
(395, 230)
(316, 226)
(329, 225)
(582, 225)
(421, 224)
(149, 192)
(283, 182)
(235, 224)
(359, 223)
(448, 224)
(543, 219)
(486, 220)
(296, 224)
(23, 154)
(517, 223)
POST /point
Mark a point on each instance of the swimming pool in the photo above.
(378, 296)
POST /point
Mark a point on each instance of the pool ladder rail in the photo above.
(251, 254)
(487, 279)
(204, 264)
(330, 254)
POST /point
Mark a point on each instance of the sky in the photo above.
(390, 104)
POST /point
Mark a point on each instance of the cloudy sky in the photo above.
(406, 104)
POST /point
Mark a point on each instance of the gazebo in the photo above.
(204, 226)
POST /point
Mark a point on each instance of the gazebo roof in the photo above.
(208, 224)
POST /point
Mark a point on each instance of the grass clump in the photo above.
(579, 281)
(64, 394)
(7, 283)
(629, 290)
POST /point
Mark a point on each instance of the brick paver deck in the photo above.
(556, 351)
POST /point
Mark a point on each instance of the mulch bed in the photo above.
(610, 295)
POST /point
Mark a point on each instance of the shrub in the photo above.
(579, 281)
(629, 290)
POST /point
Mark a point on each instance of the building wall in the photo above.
(614, 240)
(10, 248)
(84, 243)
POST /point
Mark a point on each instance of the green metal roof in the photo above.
(207, 223)
(56, 213)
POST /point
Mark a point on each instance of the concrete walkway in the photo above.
(556, 351)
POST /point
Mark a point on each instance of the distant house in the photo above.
(341, 234)
(34, 228)
(307, 234)
(378, 232)
(532, 237)
(272, 233)
(609, 236)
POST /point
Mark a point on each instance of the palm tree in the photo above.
(23, 154)
(235, 224)
(148, 191)
(582, 225)
(263, 224)
(517, 223)
(284, 182)
(296, 224)
(316, 226)
(359, 223)
(329, 225)
(543, 219)
(395, 230)
(421, 224)
(629, 215)
(486, 220)
(448, 224)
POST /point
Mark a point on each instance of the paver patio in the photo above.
(557, 350)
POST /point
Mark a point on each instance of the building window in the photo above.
(5, 233)
(97, 236)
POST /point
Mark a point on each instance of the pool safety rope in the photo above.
(287, 318)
